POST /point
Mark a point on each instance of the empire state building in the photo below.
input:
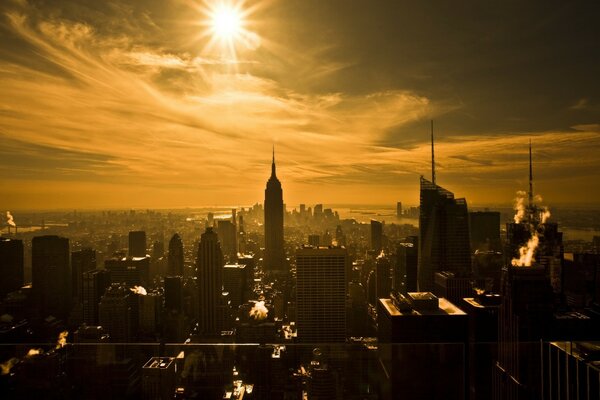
(274, 259)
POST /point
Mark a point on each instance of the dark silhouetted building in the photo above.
(116, 313)
(484, 229)
(444, 234)
(235, 282)
(209, 270)
(274, 259)
(226, 230)
(376, 236)
(421, 342)
(131, 271)
(137, 244)
(175, 263)
(405, 269)
(321, 294)
(314, 240)
(174, 293)
(11, 266)
(51, 275)
(384, 277)
(94, 284)
(81, 261)
(159, 377)
(399, 209)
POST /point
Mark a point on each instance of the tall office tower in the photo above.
(129, 270)
(94, 284)
(340, 238)
(174, 293)
(525, 319)
(158, 249)
(234, 282)
(484, 228)
(405, 270)
(421, 345)
(175, 267)
(241, 235)
(150, 313)
(116, 314)
(399, 209)
(443, 232)
(209, 270)
(51, 275)
(384, 278)
(321, 294)
(532, 240)
(274, 250)
(159, 377)
(314, 240)
(81, 261)
(228, 238)
(11, 266)
(376, 235)
(137, 244)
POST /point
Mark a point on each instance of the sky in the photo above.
(139, 104)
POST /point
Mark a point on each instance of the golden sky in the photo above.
(109, 104)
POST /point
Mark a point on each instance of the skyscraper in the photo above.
(209, 270)
(11, 265)
(81, 261)
(376, 235)
(51, 275)
(94, 284)
(116, 314)
(175, 267)
(321, 294)
(443, 232)
(274, 252)
(137, 244)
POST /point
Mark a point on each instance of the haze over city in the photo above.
(155, 105)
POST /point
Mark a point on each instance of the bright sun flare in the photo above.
(226, 23)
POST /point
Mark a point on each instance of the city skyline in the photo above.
(152, 106)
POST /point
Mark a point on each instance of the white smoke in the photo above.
(139, 290)
(5, 367)
(519, 206)
(526, 253)
(9, 219)
(34, 352)
(259, 311)
(62, 339)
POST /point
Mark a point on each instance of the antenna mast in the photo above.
(530, 177)
(432, 156)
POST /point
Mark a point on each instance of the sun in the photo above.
(227, 23)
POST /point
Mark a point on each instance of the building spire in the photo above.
(273, 163)
(432, 156)
(530, 176)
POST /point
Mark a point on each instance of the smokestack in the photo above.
(432, 156)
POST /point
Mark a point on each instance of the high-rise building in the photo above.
(376, 235)
(314, 240)
(174, 293)
(150, 313)
(274, 259)
(51, 275)
(11, 266)
(405, 270)
(421, 344)
(484, 228)
(81, 261)
(234, 282)
(228, 238)
(175, 267)
(159, 376)
(444, 234)
(130, 271)
(399, 209)
(443, 231)
(321, 294)
(137, 244)
(384, 278)
(116, 314)
(209, 270)
(94, 284)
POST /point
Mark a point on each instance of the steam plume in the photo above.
(520, 206)
(9, 219)
(62, 339)
(526, 252)
(7, 366)
(259, 311)
(139, 290)
(33, 352)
